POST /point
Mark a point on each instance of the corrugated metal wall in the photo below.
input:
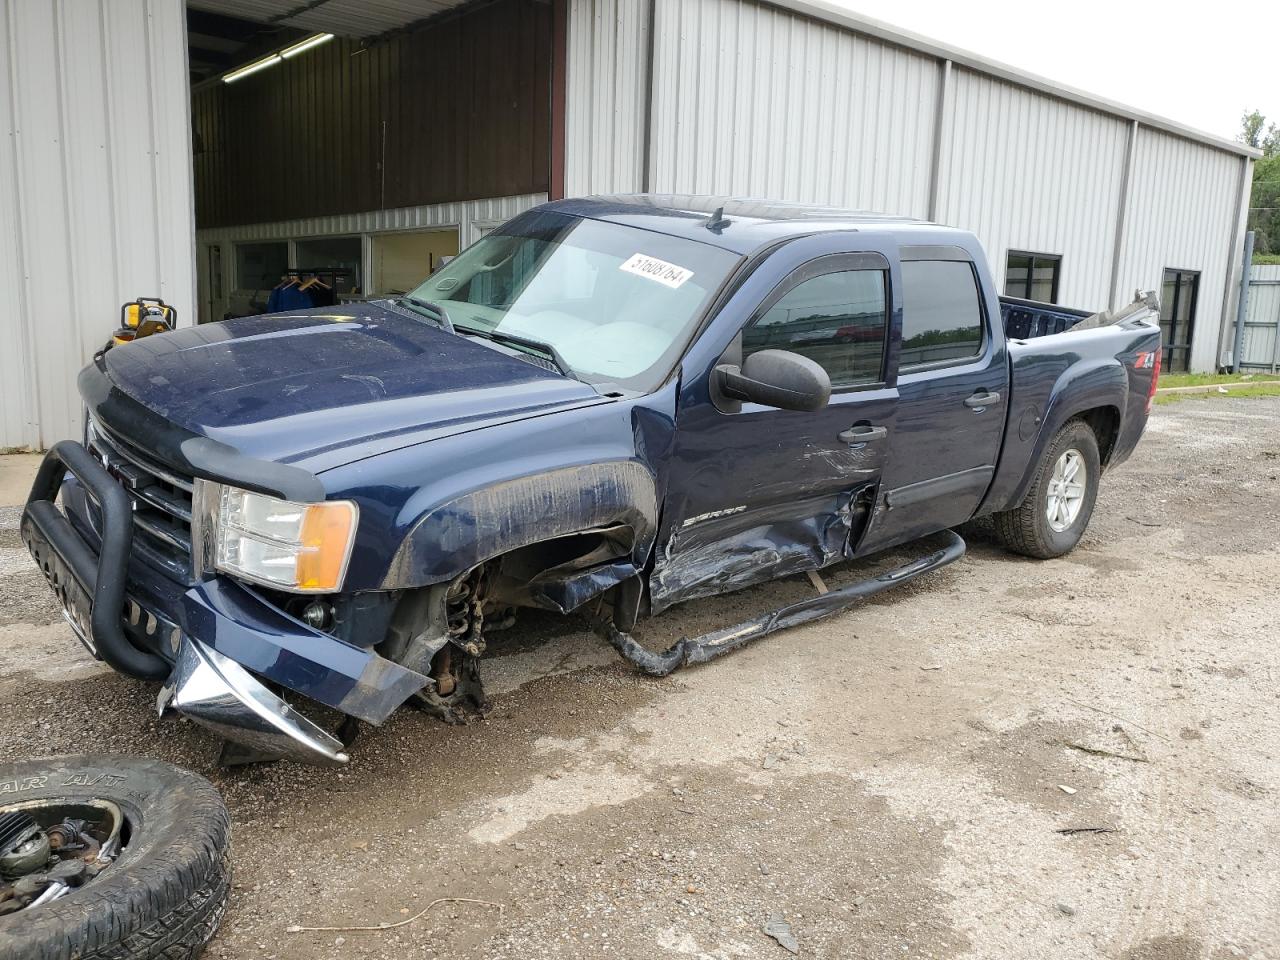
(752, 101)
(606, 78)
(1028, 173)
(461, 214)
(1182, 205)
(95, 191)
(1262, 327)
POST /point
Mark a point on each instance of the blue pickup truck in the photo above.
(609, 405)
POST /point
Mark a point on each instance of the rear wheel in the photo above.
(1055, 512)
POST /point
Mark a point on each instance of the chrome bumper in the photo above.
(218, 693)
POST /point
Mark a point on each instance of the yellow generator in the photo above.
(141, 318)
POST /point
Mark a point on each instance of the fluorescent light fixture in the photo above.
(306, 44)
(274, 58)
(252, 68)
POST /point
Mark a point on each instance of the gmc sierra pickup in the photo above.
(610, 405)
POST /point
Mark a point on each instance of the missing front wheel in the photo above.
(456, 694)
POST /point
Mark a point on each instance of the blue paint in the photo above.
(457, 451)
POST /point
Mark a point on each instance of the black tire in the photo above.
(163, 896)
(1026, 529)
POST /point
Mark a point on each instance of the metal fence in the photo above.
(1260, 349)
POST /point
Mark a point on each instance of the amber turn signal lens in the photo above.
(327, 530)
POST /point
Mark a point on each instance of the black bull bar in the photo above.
(91, 586)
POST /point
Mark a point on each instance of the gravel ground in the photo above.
(889, 782)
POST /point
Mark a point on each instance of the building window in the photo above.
(1178, 298)
(259, 266)
(1032, 276)
(836, 319)
(941, 312)
(401, 261)
(343, 255)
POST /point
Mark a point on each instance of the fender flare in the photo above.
(452, 537)
(1081, 387)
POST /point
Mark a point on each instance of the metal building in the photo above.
(1082, 198)
(133, 167)
(95, 192)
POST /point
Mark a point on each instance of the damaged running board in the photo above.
(711, 645)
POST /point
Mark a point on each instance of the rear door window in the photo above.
(941, 313)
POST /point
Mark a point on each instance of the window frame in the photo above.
(945, 255)
(1057, 274)
(822, 266)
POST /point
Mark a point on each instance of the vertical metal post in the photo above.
(1122, 211)
(1242, 303)
(646, 140)
(1239, 222)
(1275, 346)
(939, 119)
(559, 99)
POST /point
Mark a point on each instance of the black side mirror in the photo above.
(776, 378)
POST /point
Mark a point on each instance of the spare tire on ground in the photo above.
(109, 857)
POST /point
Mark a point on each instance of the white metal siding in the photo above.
(1025, 172)
(1182, 204)
(749, 100)
(95, 191)
(796, 100)
(460, 214)
(606, 77)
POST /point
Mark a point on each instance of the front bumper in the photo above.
(219, 694)
(206, 639)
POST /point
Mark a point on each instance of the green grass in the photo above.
(1207, 379)
(1262, 390)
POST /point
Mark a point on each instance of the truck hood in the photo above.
(328, 386)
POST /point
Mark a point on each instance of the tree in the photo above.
(1264, 199)
(1257, 133)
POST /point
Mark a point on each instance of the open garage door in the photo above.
(370, 140)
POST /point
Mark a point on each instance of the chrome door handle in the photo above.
(984, 399)
(862, 434)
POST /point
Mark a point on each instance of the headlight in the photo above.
(302, 547)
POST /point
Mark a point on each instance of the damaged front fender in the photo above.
(461, 534)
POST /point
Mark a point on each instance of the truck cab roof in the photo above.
(747, 224)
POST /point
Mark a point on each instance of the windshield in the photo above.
(616, 303)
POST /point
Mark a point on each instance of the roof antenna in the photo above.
(717, 222)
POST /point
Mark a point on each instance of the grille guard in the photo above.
(90, 585)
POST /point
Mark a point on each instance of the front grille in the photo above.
(161, 501)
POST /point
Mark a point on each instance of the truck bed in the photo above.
(1028, 319)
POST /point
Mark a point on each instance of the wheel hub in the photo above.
(1066, 492)
(47, 849)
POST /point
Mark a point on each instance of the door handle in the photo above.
(862, 433)
(984, 399)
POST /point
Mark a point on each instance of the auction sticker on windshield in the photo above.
(665, 273)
